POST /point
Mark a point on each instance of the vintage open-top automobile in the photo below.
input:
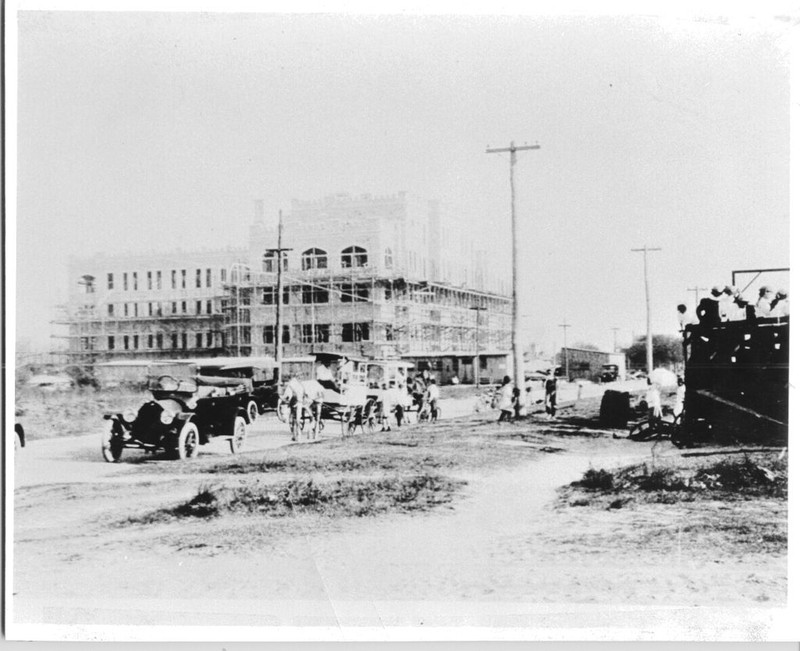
(188, 409)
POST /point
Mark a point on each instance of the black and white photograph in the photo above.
(338, 323)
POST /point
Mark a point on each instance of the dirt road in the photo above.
(501, 557)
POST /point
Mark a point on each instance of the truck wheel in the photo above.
(111, 446)
(239, 435)
(252, 411)
(187, 443)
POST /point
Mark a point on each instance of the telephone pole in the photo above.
(565, 325)
(279, 298)
(478, 309)
(516, 350)
(696, 291)
(644, 250)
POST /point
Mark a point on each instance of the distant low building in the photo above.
(582, 363)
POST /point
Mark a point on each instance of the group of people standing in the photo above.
(728, 304)
(395, 397)
(511, 402)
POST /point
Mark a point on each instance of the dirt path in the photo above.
(501, 557)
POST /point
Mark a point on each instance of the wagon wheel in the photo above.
(679, 435)
(643, 432)
(111, 445)
(239, 435)
(369, 421)
(282, 411)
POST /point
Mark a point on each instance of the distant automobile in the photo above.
(609, 373)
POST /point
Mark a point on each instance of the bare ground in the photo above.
(500, 546)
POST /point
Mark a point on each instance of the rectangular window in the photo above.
(149, 280)
(245, 335)
(135, 281)
(184, 340)
(111, 343)
(126, 342)
(208, 307)
(269, 335)
(198, 340)
(150, 311)
(159, 341)
(244, 316)
(183, 278)
(183, 307)
(110, 309)
(355, 332)
(268, 297)
(175, 340)
(111, 281)
(198, 278)
(286, 334)
(322, 333)
(174, 307)
(174, 279)
(198, 307)
(306, 336)
(209, 339)
(125, 309)
(208, 277)
(125, 282)
(135, 309)
(314, 295)
(389, 333)
(222, 275)
(135, 342)
(158, 279)
(149, 341)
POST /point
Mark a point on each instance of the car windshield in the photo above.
(172, 377)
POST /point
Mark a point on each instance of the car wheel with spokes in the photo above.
(111, 446)
(239, 435)
(187, 443)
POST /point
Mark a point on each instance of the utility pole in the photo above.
(565, 325)
(696, 291)
(516, 350)
(478, 309)
(644, 250)
(279, 298)
(614, 330)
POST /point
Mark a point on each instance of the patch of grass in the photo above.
(341, 497)
(726, 479)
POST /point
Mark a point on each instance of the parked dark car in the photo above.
(187, 410)
(609, 373)
(257, 374)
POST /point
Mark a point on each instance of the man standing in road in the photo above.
(505, 400)
(550, 388)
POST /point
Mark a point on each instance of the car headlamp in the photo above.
(129, 415)
(167, 417)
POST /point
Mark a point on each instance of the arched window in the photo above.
(354, 256)
(387, 258)
(314, 259)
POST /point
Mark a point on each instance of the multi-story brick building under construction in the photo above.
(366, 276)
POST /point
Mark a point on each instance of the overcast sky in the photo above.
(142, 131)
